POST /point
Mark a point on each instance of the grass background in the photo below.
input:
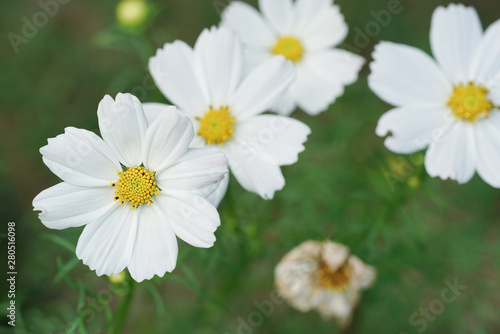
(346, 187)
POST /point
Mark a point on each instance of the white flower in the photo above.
(134, 190)
(226, 108)
(325, 277)
(450, 104)
(306, 32)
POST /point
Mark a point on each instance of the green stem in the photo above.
(123, 308)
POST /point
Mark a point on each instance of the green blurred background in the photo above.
(346, 187)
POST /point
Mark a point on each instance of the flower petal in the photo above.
(322, 76)
(155, 249)
(286, 103)
(326, 29)
(262, 88)
(218, 195)
(193, 218)
(106, 245)
(363, 276)
(221, 56)
(486, 63)
(167, 139)
(153, 110)
(81, 158)
(199, 171)
(178, 75)
(403, 75)
(254, 57)
(487, 143)
(279, 13)
(413, 127)
(295, 282)
(123, 126)
(254, 172)
(338, 305)
(455, 34)
(454, 154)
(248, 24)
(273, 138)
(65, 205)
(306, 11)
(495, 91)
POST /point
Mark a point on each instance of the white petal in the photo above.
(414, 127)
(495, 91)
(306, 11)
(321, 78)
(193, 218)
(334, 254)
(454, 154)
(336, 66)
(334, 304)
(123, 126)
(153, 110)
(363, 276)
(262, 88)
(218, 195)
(167, 139)
(402, 75)
(286, 103)
(248, 24)
(325, 30)
(155, 249)
(254, 172)
(178, 75)
(455, 34)
(487, 143)
(65, 205)
(106, 245)
(276, 139)
(221, 56)
(199, 171)
(279, 13)
(486, 63)
(81, 158)
(254, 57)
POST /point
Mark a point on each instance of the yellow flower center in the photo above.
(217, 125)
(136, 186)
(290, 47)
(334, 279)
(470, 102)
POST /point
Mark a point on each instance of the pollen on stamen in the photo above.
(470, 102)
(334, 279)
(289, 47)
(217, 125)
(135, 186)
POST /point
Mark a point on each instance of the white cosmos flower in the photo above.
(323, 276)
(134, 190)
(226, 108)
(306, 32)
(449, 104)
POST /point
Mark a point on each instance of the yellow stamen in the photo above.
(217, 125)
(334, 279)
(470, 102)
(290, 47)
(136, 186)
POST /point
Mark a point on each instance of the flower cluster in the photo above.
(159, 172)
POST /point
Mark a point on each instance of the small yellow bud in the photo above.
(413, 182)
(117, 278)
(132, 13)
